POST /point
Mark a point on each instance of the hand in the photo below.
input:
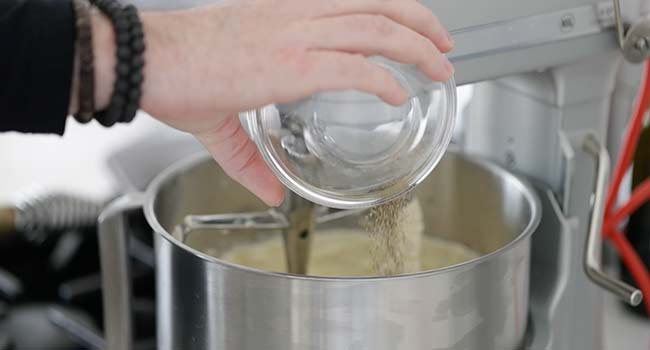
(205, 65)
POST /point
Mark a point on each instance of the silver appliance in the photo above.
(198, 213)
(553, 88)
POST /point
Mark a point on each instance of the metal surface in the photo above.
(298, 236)
(296, 219)
(636, 47)
(525, 32)
(535, 123)
(592, 258)
(552, 249)
(270, 219)
(76, 327)
(55, 211)
(116, 281)
(564, 31)
(205, 303)
(620, 30)
(635, 43)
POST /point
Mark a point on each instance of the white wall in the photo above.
(74, 162)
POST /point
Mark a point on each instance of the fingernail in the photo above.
(449, 67)
(401, 97)
(450, 39)
(278, 200)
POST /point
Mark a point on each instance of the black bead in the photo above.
(137, 45)
(123, 38)
(130, 112)
(121, 25)
(136, 78)
(122, 69)
(112, 115)
(118, 101)
(121, 87)
(132, 17)
(113, 13)
(100, 3)
(83, 118)
(135, 94)
(123, 53)
(137, 62)
(136, 32)
(113, 7)
(103, 119)
(130, 9)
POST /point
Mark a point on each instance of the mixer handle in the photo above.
(593, 248)
(116, 281)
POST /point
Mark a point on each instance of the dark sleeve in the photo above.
(36, 63)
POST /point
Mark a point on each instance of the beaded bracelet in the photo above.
(129, 37)
(84, 47)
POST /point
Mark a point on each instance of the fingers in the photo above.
(411, 14)
(239, 158)
(375, 35)
(309, 72)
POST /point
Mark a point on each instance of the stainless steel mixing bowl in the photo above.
(205, 303)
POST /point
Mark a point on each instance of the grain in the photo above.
(390, 247)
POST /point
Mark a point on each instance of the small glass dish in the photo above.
(351, 150)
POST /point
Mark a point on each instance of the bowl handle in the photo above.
(115, 266)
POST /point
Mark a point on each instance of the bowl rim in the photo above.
(518, 181)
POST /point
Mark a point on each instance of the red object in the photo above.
(641, 194)
(633, 263)
(631, 139)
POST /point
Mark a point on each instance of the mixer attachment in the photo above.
(296, 218)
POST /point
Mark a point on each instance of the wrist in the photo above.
(104, 52)
(162, 62)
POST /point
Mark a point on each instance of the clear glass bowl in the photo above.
(351, 150)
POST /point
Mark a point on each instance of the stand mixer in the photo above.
(551, 98)
(558, 73)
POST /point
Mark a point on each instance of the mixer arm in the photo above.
(296, 219)
(592, 257)
(265, 220)
(271, 219)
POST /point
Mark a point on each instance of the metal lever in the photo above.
(635, 44)
(298, 236)
(593, 248)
